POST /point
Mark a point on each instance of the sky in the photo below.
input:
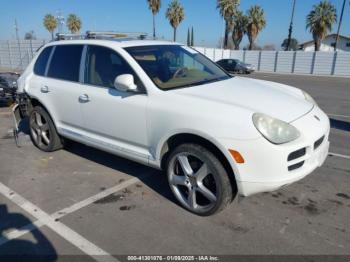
(134, 16)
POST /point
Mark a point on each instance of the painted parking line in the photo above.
(334, 115)
(92, 199)
(61, 229)
(16, 233)
(339, 155)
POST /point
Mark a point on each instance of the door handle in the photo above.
(44, 89)
(84, 98)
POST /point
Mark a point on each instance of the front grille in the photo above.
(297, 154)
(318, 143)
(296, 166)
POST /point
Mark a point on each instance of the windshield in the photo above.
(174, 66)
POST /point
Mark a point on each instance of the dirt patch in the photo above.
(127, 191)
(277, 194)
(342, 195)
(127, 208)
(110, 199)
(312, 209)
(7, 136)
(293, 200)
(341, 229)
(337, 202)
(240, 229)
(235, 228)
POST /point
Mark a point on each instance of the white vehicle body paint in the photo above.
(138, 126)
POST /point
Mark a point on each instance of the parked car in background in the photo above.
(167, 106)
(8, 84)
(236, 66)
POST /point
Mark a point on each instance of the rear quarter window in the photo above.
(41, 62)
(65, 62)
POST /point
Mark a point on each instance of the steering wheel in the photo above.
(180, 72)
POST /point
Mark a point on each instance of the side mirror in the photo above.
(125, 83)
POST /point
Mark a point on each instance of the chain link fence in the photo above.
(16, 55)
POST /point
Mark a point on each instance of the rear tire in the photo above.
(43, 132)
(198, 180)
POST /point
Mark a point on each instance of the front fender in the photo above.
(186, 131)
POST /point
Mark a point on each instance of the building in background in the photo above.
(328, 43)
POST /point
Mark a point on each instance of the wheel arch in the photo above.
(181, 138)
(36, 102)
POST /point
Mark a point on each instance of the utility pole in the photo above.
(19, 44)
(223, 34)
(291, 27)
(340, 22)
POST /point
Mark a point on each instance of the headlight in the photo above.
(274, 130)
(309, 98)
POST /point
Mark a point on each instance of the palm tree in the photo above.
(240, 22)
(50, 23)
(154, 6)
(320, 20)
(228, 9)
(73, 23)
(256, 23)
(175, 14)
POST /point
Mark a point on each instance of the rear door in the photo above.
(61, 88)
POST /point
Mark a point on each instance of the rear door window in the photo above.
(41, 62)
(65, 62)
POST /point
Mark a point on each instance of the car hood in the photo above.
(277, 100)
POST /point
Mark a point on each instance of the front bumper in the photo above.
(269, 167)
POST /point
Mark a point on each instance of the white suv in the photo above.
(167, 106)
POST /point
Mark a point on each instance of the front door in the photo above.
(116, 119)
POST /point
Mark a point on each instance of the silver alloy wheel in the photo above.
(39, 129)
(189, 182)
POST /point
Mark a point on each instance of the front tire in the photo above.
(43, 131)
(198, 180)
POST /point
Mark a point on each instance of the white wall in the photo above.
(290, 62)
(326, 45)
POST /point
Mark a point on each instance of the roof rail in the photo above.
(103, 35)
(115, 35)
(61, 36)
